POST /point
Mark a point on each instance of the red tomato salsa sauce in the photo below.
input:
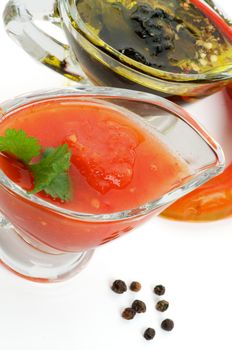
(116, 164)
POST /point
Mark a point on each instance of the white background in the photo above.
(194, 261)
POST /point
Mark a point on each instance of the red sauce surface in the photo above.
(115, 165)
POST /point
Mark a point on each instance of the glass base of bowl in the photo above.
(29, 261)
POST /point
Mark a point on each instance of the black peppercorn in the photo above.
(162, 305)
(128, 313)
(119, 287)
(167, 325)
(149, 333)
(159, 290)
(139, 306)
(135, 286)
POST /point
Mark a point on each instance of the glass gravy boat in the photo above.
(102, 63)
(44, 242)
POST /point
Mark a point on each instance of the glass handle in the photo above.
(20, 18)
(4, 223)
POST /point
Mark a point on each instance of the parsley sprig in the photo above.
(18, 144)
(50, 172)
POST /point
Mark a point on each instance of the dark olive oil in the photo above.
(172, 36)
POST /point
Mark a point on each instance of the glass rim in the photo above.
(68, 92)
(95, 40)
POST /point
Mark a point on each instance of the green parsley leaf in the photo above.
(50, 174)
(59, 187)
(20, 145)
